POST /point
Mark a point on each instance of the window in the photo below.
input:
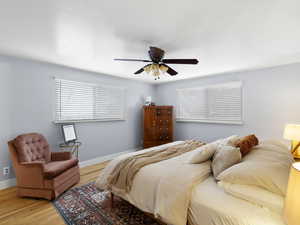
(78, 101)
(211, 104)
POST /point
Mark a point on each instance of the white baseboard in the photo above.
(12, 182)
(7, 183)
(102, 158)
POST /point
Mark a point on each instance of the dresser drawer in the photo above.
(164, 122)
(164, 112)
(163, 130)
(164, 137)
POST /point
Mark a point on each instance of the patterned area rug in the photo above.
(86, 205)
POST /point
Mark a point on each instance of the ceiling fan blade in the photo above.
(180, 61)
(133, 60)
(170, 70)
(141, 70)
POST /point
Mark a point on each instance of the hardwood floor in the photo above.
(26, 211)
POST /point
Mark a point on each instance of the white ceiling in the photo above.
(228, 35)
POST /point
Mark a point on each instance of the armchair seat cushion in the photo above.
(55, 168)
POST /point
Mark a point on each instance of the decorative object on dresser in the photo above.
(292, 133)
(292, 201)
(158, 125)
(148, 101)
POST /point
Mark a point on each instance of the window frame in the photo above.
(56, 121)
(211, 121)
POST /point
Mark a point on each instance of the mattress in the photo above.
(210, 205)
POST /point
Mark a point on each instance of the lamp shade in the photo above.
(292, 132)
(292, 200)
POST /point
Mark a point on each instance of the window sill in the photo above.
(210, 121)
(85, 121)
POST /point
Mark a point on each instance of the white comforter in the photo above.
(210, 205)
(163, 188)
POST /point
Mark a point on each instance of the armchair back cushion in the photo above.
(32, 147)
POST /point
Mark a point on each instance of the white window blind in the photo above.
(78, 101)
(211, 104)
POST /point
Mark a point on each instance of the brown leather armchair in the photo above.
(39, 172)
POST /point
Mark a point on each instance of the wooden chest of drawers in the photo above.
(158, 125)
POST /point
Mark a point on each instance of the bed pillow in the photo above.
(246, 144)
(255, 195)
(225, 157)
(207, 151)
(203, 153)
(231, 141)
(266, 166)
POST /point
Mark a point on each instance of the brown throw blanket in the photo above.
(123, 174)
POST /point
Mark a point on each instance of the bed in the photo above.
(210, 205)
(177, 192)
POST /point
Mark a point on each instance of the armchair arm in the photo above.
(30, 174)
(60, 156)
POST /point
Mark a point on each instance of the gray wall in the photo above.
(271, 99)
(26, 101)
(6, 110)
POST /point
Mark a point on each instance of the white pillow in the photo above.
(225, 157)
(207, 151)
(255, 195)
(280, 146)
(203, 153)
(266, 166)
(231, 140)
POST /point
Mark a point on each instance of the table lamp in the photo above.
(292, 199)
(292, 133)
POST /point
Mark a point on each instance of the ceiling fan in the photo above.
(158, 63)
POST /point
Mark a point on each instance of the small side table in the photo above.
(71, 147)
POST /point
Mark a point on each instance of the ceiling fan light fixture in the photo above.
(147, 69)
(155, 70)
(163, 69)
(155, 67)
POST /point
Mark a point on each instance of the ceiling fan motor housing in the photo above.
(156, 54)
